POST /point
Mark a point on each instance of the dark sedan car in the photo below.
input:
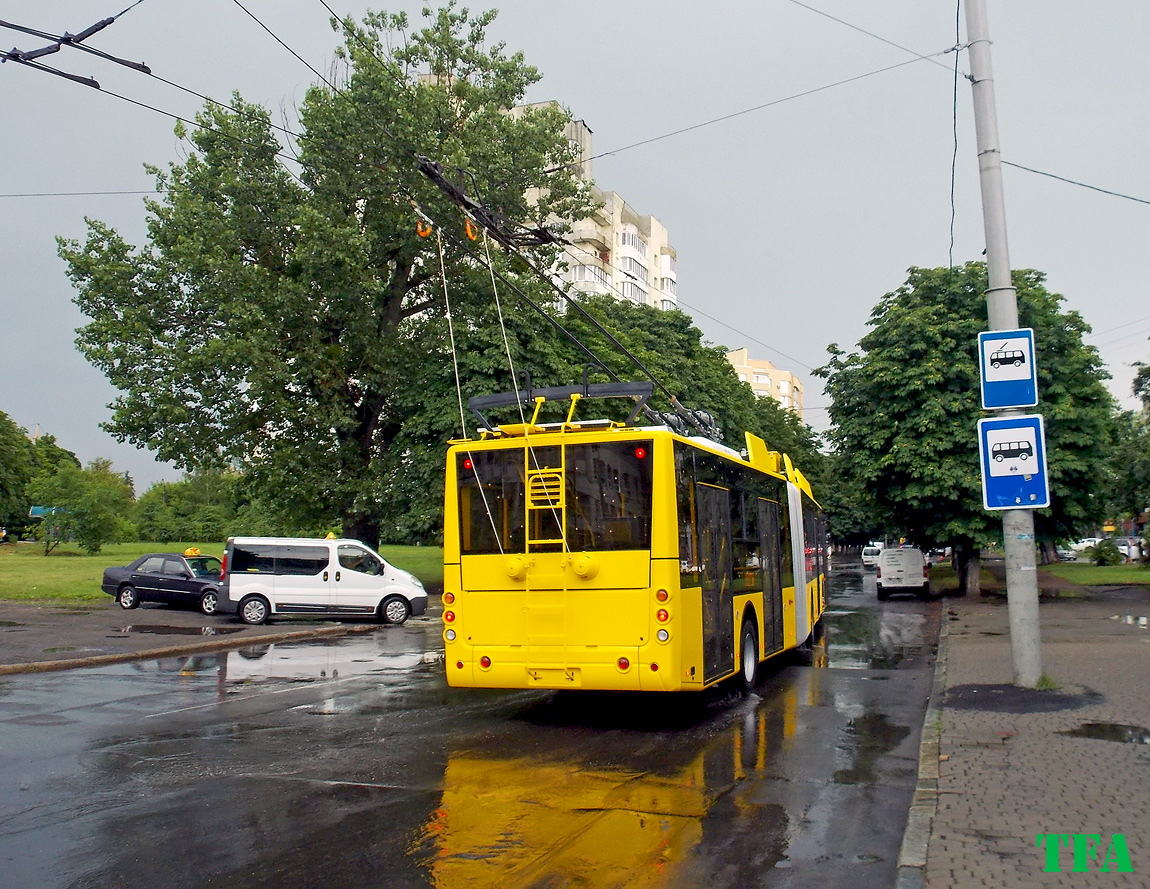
(187, 578)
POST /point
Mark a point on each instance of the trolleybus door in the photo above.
(772, 585)
(713, 507)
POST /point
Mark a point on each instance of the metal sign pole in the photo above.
(1002, 307)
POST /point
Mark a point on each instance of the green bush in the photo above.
(1103, 553)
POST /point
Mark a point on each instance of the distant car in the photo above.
(1066, 553)
(1085, 542)
(903, 569)
(1130, 547)
(187, 578)
(870, 556)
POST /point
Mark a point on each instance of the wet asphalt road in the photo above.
(350, 763)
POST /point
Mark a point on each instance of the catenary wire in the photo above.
(1116, 194)
(878, 37)
(760, 107)
(954, 130)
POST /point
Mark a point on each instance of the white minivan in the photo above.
(902, 569)
(266, 576)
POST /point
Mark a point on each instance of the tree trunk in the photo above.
(362, 528)
(969, 568)
(1047, 553)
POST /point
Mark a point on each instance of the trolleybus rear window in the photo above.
(609, 496)
(605, 499)
(491, 504)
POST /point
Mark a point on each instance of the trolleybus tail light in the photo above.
(640, 453)
(485, 662)
(624, 664)
(662, 595)
(448, 598)
(662, 635)
(450, 635)
(448, 617)
(662, 616)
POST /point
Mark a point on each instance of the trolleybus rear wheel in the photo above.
(749, 657)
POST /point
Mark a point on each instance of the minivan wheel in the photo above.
(128, 597)
(209, 602)
(254, 610)
(395, 610)
(882, 593)
(749, 658)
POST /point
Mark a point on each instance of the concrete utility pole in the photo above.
(1002, 308)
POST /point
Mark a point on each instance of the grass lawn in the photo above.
(71, 575)
(1086, 574)
(943, 579)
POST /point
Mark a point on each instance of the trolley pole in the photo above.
(1002, 309)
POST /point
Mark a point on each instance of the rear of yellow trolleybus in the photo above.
(607, 556)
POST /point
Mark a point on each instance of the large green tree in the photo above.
(905, 407)
(281, 322)
(15, 471)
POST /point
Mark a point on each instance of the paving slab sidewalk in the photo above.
(1013, 764)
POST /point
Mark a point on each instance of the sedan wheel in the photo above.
(395, 610)
(128, 597)
(210, 602)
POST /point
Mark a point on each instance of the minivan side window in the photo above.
(355, 558)
(300, 560)
(252, 559)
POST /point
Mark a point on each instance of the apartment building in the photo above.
(766, 380)
(617, 250)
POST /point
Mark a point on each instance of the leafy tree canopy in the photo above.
(91, 505)
(275, 322)
(905, 408)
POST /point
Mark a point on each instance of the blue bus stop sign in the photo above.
(1012, 453)
(1006, 366)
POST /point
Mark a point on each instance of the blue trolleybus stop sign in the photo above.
(1012, 453)
(1006, 364)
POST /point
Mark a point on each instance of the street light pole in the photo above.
(1002, 309)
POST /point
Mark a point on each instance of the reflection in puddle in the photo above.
(869, 738)
(162, 630)
(297, 662)
(10, 623)
(1111, 731)
(873, 640)
(524, 821)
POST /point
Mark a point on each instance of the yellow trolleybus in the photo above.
(601, 555)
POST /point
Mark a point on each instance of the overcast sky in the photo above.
(790, 221)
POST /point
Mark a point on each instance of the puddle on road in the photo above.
(163, 630)
(869, 738)
(1110, 731)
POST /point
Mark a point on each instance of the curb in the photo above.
(101, 660)
(916, 838)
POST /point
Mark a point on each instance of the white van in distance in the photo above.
(902, 569)
(266, 576)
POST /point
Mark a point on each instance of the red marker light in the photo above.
(662, 616)
(624, 664)
(467, 463)
(640, 453)
(448, 617)
(459, 665)
(485, 662)
(654, 668)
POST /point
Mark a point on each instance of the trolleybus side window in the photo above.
(609, 496)
(746, 544)
(491, 516)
